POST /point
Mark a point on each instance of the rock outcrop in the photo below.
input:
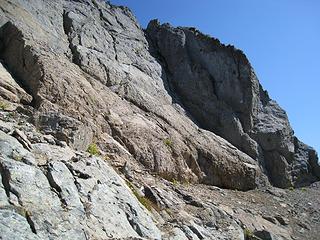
(170, 102)
(218, 87)
(90, 62)
(53, 192)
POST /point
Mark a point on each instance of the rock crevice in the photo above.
(21, 61)
(170, 106)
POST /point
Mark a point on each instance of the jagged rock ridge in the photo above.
(111, 72)
(171, 100)
(218, 87)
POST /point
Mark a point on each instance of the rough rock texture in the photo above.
(165, 106)
(88, 68)
(56, 193)
(218, 87)
(10, 90)
(50, 191)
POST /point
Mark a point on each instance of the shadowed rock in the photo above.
(218, 87)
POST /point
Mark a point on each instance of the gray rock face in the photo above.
(15, 226)
(64, 128)
(112, 84)
(80, 197)
(52, 192)
(100, 79)
(220, 90)
(10, 90)
(168, 101)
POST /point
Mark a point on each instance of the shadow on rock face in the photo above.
(219, 90)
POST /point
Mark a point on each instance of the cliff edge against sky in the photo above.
(166, 103)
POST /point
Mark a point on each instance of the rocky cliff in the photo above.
(168, 108)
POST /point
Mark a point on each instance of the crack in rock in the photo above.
(30, 222)
(76, 172)
(54, 185)
(6, 176)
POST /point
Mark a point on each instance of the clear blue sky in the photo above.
(281, 38)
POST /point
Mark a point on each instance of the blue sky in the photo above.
(281, 38)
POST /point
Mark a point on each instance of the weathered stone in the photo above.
(6, 126)
(15, 226)
(3, 195)
(10, 148)
(110, 204)
(257, 224)
(10, 90)
(70, 199)
(265, 235)
(45, 153)
(177, 234)
(115, 86)
(22, 138)
(70, 130)
(282, 220)
(256, 113)
(167, 101)
(218, 87)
